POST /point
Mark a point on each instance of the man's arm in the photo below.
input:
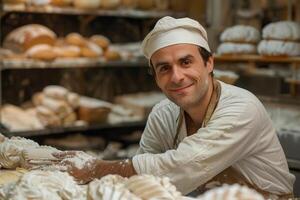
(85, 168)
(229, 137)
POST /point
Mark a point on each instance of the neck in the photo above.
(197, 112)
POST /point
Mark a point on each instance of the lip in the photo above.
(181, 89)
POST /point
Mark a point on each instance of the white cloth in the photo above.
(239, 134)
(169, 31)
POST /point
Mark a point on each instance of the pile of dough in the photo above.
(239, 39)
(11, 151)
(148, 187)
(228, 192)
(109, 187)
(47, 185)
(280, 39)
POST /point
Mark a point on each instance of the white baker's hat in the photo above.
(169, 31)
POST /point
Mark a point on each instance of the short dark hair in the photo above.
(203, 52)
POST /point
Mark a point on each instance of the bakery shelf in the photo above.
(98, 12)
(104, 128)
(10, 64)
(256, 58)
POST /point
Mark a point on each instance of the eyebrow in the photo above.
(189, 56)
(186, 57)
(160, 64)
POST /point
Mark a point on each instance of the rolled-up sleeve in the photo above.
(230, 135)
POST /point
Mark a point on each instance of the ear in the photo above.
(210, 64)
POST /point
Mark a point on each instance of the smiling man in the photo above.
(206, 133)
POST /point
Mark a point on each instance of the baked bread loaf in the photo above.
(47, 117)
(161, 4)
(87, 4)
(240, 34)
(145, 4)
(112, 55)
(101, 41)
(14, 1)
(129, 3)
(282, 30)
(38, 2)
(68, 51)
(278, 48)
(93, 110)
(56, 92)
(24, 37)
(91, 50)
(41, 52)
(16, 119)
(230, 48)
(61, 2)
(75, 39)
(110, 4)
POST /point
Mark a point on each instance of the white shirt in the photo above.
(239, 134)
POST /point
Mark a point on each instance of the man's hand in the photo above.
(84, 168)
(80, 165)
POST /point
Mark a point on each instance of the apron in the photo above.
(229, 176)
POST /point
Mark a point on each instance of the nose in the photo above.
(177, 74)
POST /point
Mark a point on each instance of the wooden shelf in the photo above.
(11, 64)
(99, 129)
(256, 58)
(98, 12)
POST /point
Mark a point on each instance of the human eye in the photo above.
(163, 69)
(186, 62)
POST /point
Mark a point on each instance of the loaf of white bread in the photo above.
(25, 37)
(239, 39)
(280, 39)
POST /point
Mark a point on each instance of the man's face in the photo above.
(181, 73)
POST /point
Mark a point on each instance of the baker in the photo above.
(206, 133)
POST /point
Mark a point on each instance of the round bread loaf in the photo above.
(283, 30)
(38, 2)
(278, 48)
(241, 34)
(42, 52)
(24, 37)
(75, 39)
(67, 51)
(87, 4)
(61, 2)
(101, 41)
(112, 55)
(236, 48)
(145, 4)
(110, 4)
(129, 3)
(91, 50)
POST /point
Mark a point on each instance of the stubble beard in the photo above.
(192, 100)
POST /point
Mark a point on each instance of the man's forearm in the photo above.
(121, 167)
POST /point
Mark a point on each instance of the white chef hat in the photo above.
(169, 31)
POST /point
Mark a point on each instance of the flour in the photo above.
(80, 160)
